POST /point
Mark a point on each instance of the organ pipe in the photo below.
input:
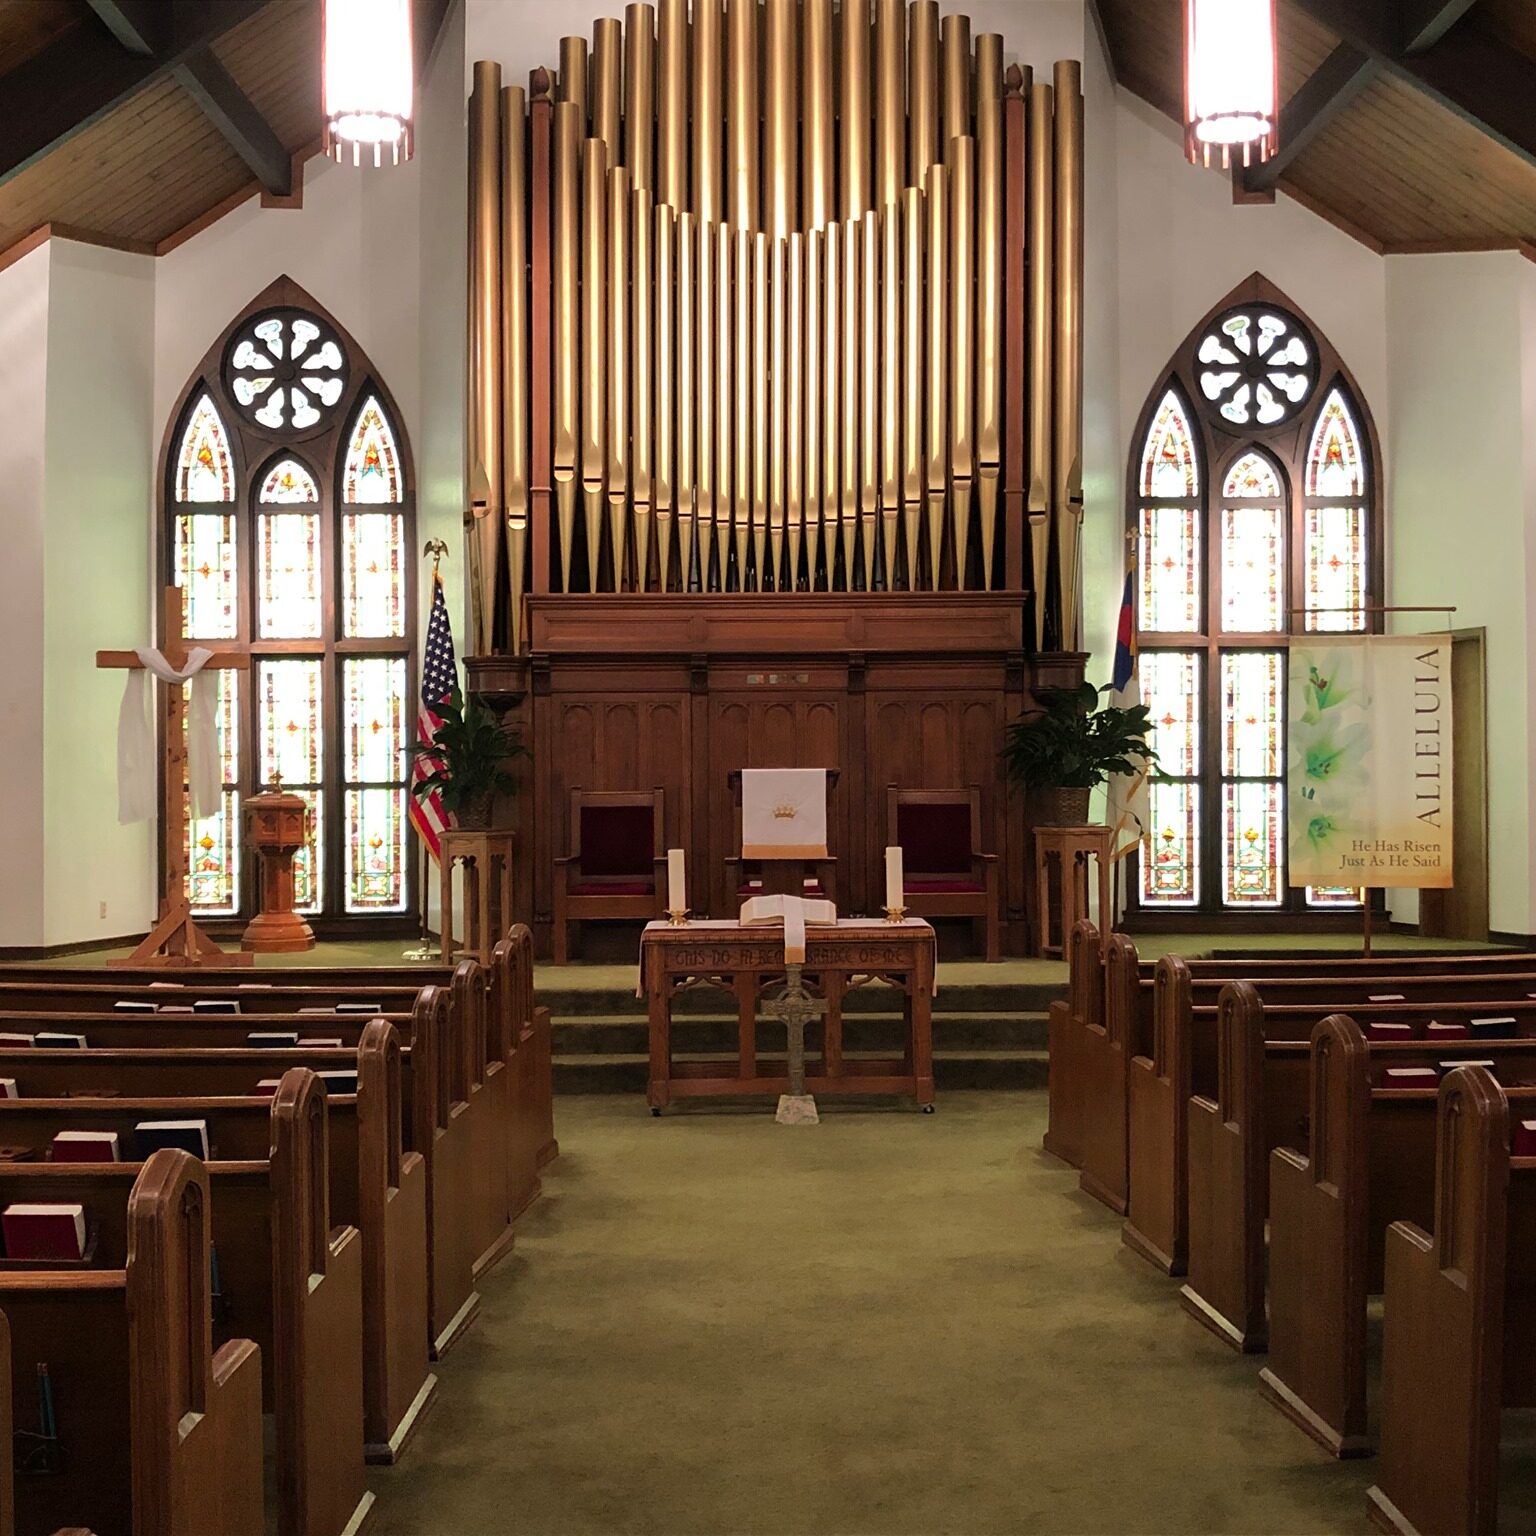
(779, 290)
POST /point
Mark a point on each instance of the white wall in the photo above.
(23, 401)
(98, 876)
(1462, 359)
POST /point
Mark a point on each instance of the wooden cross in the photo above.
(176, 940)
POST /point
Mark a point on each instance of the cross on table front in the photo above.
(176, 940)
(794, 1007)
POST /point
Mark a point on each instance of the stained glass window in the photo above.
(1169, 562)
(289, 525)
(372, 472)
(1169, 467)
(373, 581)
(1333, 896)
(204, 471)
(288, 562)
(1286, 526)
(205, 571)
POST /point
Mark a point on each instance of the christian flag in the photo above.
(438, 675)
(1125, 634)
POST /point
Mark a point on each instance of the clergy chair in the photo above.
(944, 871)
(617, 864)
(779, 877)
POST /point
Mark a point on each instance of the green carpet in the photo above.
(890, 1323)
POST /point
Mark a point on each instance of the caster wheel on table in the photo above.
(928, 1109)
(655, 1112)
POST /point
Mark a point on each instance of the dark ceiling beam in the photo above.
(238, 119)
(1425, 22)
(78, 79)
(1481, 80)
(1323, 95)
(427, 19)
(141, 26)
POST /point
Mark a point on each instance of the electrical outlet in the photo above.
(103, 909)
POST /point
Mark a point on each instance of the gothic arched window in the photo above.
(1256, 512)
(288, 507)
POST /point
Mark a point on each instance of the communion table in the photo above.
(678, 960)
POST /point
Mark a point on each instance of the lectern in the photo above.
(276, 827)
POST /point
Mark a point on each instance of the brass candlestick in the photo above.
(895, 914)
(677, 918)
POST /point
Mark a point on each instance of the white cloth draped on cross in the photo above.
(137, 769)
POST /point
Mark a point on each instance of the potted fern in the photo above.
(467, 755)
(1066, 747)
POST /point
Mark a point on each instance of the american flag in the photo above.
(438, 675)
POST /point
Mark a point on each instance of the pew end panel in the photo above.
(1105, 1052)
(1066, 1095)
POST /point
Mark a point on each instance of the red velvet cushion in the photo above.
(935, 839)
(940, 887)
(613, 888)
(617, 840)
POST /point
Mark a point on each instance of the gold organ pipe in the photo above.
(606, 77)
(912, 215)
(794, 378)
(639, 93)
(760, 408)
(810, 500)
(1067, 498)
(869, 390)
(664, 344)
(687, 379)
(922, 91)
(831, 399)
(594, 312)
(741, 391)
(781, 116)
(962, 342)
(741, 119)
(643, 374)
(514, 345)
(890, 386)
(818, 130)
(616, 334)
(852, 314)
(704, 439)
(890, 101)
(708, 110)
(671, 107)
(566, 299)
(777, 442)
(854, 109)
(573, 78)
(955, 64)
(1041, 317)
(989, 287)
(722, 424)
(485, 425)
(937, 197)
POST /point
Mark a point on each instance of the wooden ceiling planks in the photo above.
(1395, 169)
(275, 59)
(28, 26)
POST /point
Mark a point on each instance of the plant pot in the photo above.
(475, 815)
(1059, 806)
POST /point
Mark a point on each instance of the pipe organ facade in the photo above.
(776, 297)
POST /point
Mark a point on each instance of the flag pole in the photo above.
(424, 951)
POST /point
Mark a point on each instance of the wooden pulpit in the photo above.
(276, 827)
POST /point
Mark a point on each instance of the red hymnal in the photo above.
(1389, 1031)
(1447, 1032)
(1525, 1138)
(1411, 1077)
(86, 1147)
(321, 1040)
(11, 1042)
(43, 1232)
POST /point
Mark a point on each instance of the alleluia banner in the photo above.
(1370, 761)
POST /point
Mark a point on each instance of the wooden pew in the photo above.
(1067, 1021)
(157, 1429)
(1460, 1340)
(1255, 1100)
(375, 1184)
(1166, 1071)
(296, 1284)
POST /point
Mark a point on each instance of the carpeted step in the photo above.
(567, 1002)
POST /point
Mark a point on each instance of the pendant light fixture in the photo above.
(1231, 81)
(369, 80)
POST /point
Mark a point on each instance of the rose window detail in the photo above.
(1257, 366)
(286, 372)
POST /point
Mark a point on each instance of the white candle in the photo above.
(893, 877)
(677, 883)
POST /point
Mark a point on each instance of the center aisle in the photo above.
(892, 1323)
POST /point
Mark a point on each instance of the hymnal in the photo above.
(339, 1082)
(1389, 1031)
(86, 1147)
(131, 1007)
(1450, 1066)
(216, 1005)
(321, 1040)
(55, 1040)
(8, 1088)
(1495, 1029)
(44, 1232)
(1525, 1138)
(174, 1008)
(190, 1135)
(1411, 1077)
(10, 1042)
(1447, 1032)
(359, 1008)
(1386, 997)
(272, 1039)
(268, 1087)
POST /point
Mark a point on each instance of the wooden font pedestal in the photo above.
(276, 827)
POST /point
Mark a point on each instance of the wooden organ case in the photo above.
(775, 418)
